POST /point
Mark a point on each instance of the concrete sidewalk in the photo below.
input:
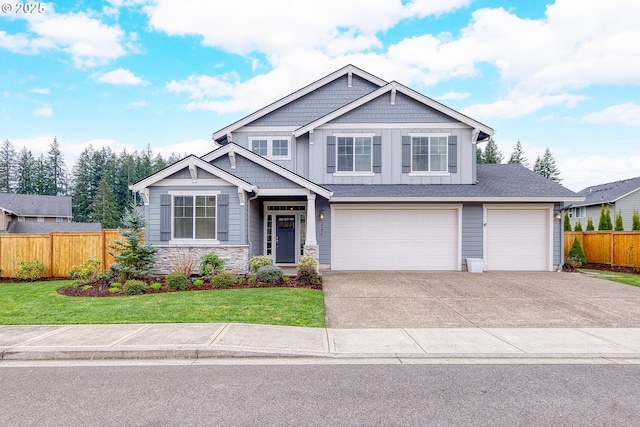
(223, 340)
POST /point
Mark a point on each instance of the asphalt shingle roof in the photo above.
(606, 193)
(493, 181)
(32, 205)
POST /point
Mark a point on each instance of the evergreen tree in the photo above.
(578, 226)
(159, 163)
(479, 156)
(84, 185)
(567, 221)
(491, 153)
(546, 166)
(619, 225)
(173, 158)
(7, 167)
(40, 183)
(133, 259)
(590, 226)
(518, 157)
(25, 173)
(577, 254)
(605, 219)
(104, 208)
(635, 221)
(126, 173)
(55, 170)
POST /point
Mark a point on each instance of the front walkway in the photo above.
(484, 300)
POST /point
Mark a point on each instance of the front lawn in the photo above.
(626, 278)
(39, 303)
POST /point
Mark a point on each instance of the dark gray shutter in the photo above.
(453, 153)
(406, 154)
(223, 217)
(165, 217)
(331, 154)
(377, 154)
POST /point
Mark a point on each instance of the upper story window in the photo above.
(429, 153)
(354, 154)
(274, 148)
(194, 217)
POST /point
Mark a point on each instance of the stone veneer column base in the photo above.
(312, 251)
(236, 257)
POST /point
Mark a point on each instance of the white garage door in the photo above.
(518, 239)
(394, 239)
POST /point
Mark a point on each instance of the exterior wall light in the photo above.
(321, 215)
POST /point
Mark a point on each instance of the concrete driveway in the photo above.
(486, 300)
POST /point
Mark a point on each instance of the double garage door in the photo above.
(430, 238)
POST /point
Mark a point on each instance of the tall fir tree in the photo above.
(56, 170)
(40, 177)
(7, 167)
(25, 172)
(491, 153)
(518, 157)
(546, 166)
(104, 208)
(84, 185)
(479, 156)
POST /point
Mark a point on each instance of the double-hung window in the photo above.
(274, 148)
(194, 217)
(354, 154)
(429, 153)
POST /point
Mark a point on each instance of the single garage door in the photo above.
(379, 238)
(518, 239)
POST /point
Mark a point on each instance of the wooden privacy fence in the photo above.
(617, 248)
(58, 251)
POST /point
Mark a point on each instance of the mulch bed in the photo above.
(606, 267)
(101, 289)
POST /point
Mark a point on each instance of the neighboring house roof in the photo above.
(28, 227)
(483, 131)
(609, 192)
(496, 182)
(348, 70)
(33, 205)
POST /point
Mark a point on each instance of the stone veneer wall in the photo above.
(236, 258)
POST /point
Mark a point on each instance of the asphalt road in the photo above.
(308, 395)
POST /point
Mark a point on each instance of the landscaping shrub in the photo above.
(210, 264)
(87, 272)
(605, 219)
(308, 261)
(133, 287)
(308, 275)
(115, 285)
(223, 280)
(177, 281)
(619, 225)
(86, 287)
(578, 226)
(198, 283)
(133, 259)
(590, 226)
(270, 274)
(184, 261)
(155, 286)
(259, 261)
(31, 270)
(576, 257)
(635, 223)
(567, 221)
(114, 290)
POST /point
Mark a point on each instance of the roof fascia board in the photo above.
(455, 199)
(285, 173)
(186, 163)
(405, 91)
(349, 69)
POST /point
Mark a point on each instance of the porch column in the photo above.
(311, 221)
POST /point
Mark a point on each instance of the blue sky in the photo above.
(127, 73)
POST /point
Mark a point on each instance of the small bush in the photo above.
(155, 286)
(308, 261)
(252, 279)
(576, 257)
(270, 274)
(210, 264)
(308, 275)
(198, 283)
(177, 281)
(578, 226)
(285, 279)
(116, 285)
(619, 224)
(31, 270)
(184, 261)
(590, 226)
(259, 261)
(223, 280)
(86, 287)
(87, 272)
(133, 287)
(114, 290)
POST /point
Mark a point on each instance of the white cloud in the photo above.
(139, 104)
(454, 95)
(625, 114)
(44, 112)
(519, 105)
(581, 172)
(197, 147)
(121, 76)
(40, 90)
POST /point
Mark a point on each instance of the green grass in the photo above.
(627, 279)
(38, 303)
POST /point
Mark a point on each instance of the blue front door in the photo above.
(286, 239)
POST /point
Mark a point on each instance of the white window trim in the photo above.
(430, 173)
(270, 139)
(192, 241)
(578, 210)
(354, 173)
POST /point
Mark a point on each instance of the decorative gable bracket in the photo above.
(145, 196)
(193, 171)
(232, 159)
